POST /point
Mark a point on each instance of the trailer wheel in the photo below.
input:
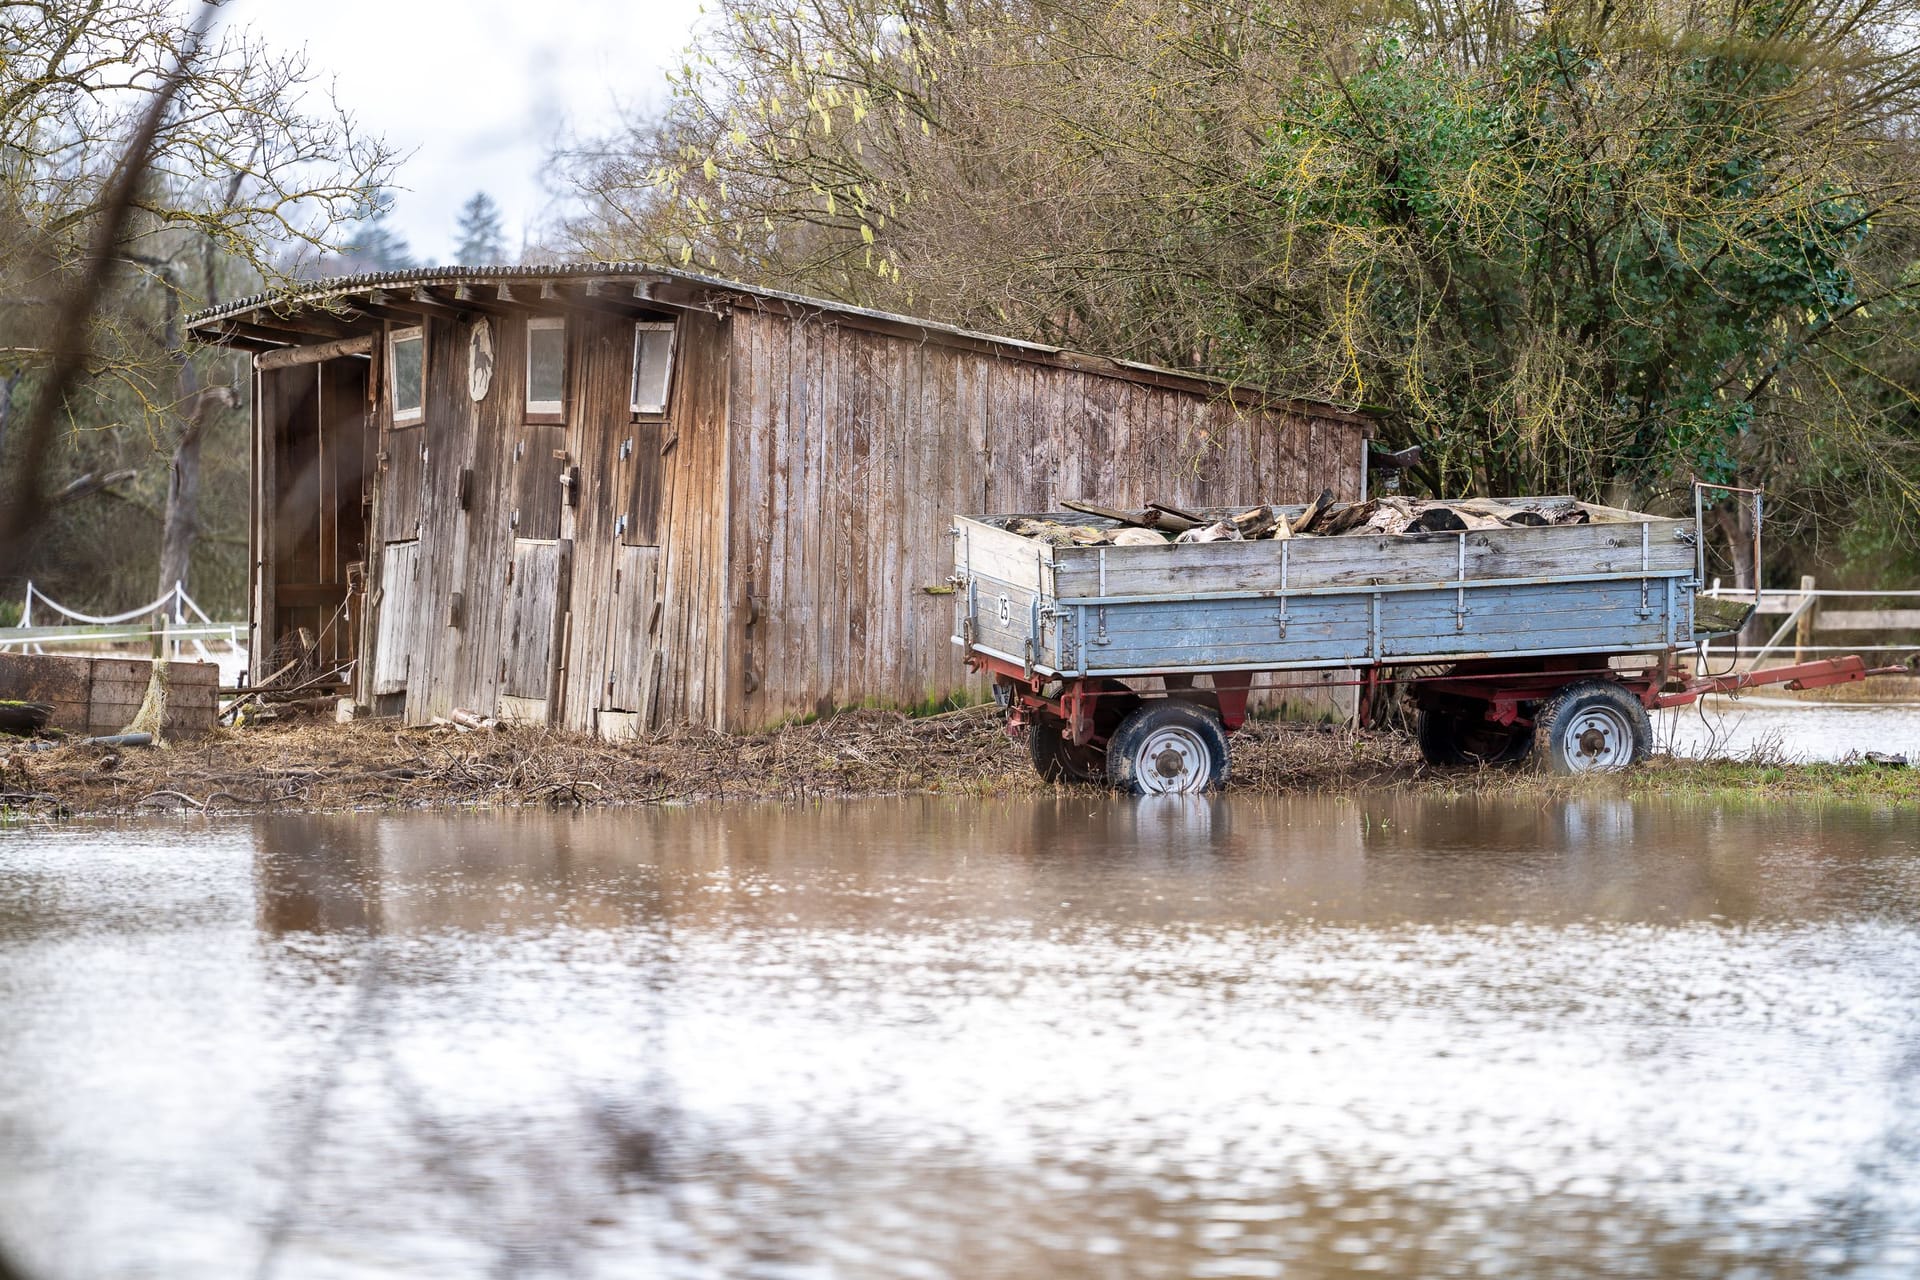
(1591, 727)
(1058, 760)
(1168, 747)
(1447, 738)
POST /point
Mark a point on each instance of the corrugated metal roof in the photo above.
(315, 292)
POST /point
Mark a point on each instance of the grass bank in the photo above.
(310, 767)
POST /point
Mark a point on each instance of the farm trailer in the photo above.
(1550, 641)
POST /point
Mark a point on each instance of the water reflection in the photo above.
(1073, 1037)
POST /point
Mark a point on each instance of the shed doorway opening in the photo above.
(312, 486)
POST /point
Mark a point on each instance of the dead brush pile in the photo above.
(312, 766)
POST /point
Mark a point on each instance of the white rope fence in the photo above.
(184, 621)
(175, 601)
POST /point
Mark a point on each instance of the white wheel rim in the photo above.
(1597, 738)
(1173, 760)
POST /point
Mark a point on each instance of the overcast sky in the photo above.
(477, 90)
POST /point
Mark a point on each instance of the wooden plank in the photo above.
(533, 599)
(841, 375)
(394, 613)
(29, 677)
(797, 665)
(1008, 557)
(288, 357)
(857, 393)
(821, 528)
(1866, 619)
(893, 513)
(494, 423)
(561, 628)
(636, 593)
(759, 544)
(599, 422)
(101, 695)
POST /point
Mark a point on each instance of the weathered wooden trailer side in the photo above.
(1622, 584)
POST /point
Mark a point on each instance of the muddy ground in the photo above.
(311, 766)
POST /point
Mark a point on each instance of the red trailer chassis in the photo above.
(1487, 696)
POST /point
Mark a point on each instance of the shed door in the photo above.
(394, 644)
(635, 619)
(538, 586)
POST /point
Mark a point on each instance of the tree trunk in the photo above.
(181, 524)
(6, 406)
(1735, 520)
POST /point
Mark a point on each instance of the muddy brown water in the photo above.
(1075, 1038)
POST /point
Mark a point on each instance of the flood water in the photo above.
(1784, 729)
(1074, 1038)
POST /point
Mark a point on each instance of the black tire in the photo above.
(1168, 747)
(1058, 760)
(1591, 727)
(1448, 739)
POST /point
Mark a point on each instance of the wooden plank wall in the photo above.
(512, 462)
(693, 571)
(852, 449)
(459, 608)
(798, 494)
(91, 696)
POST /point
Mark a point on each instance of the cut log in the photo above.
(1193, 521)
(1280, 527)
(1315, 510)
(288, 357)
(1132, 537)
(1343, 517)
(1108, 513)
(24, 718)
(1437, 519)
(1058, 535)
(1221, 532)
(1392, 516)
(1256, 522)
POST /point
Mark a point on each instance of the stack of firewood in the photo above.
(1160, 524)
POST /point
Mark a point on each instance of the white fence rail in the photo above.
(1806, 615)
(176, 616)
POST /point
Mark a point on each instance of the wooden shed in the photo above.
(612, 497)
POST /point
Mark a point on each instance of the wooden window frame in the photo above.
(418, 414)
(633, 382)
(546, 411)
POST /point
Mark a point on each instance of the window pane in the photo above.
(546, 365)
(407, 354)
(652, 367)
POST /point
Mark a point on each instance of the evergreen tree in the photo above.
(482, 241)
(371, 245)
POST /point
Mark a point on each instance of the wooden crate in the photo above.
(92, 696)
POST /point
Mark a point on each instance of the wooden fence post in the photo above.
(1803, 634)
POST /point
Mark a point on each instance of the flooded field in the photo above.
(1077, 1038)
(1787, 730)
